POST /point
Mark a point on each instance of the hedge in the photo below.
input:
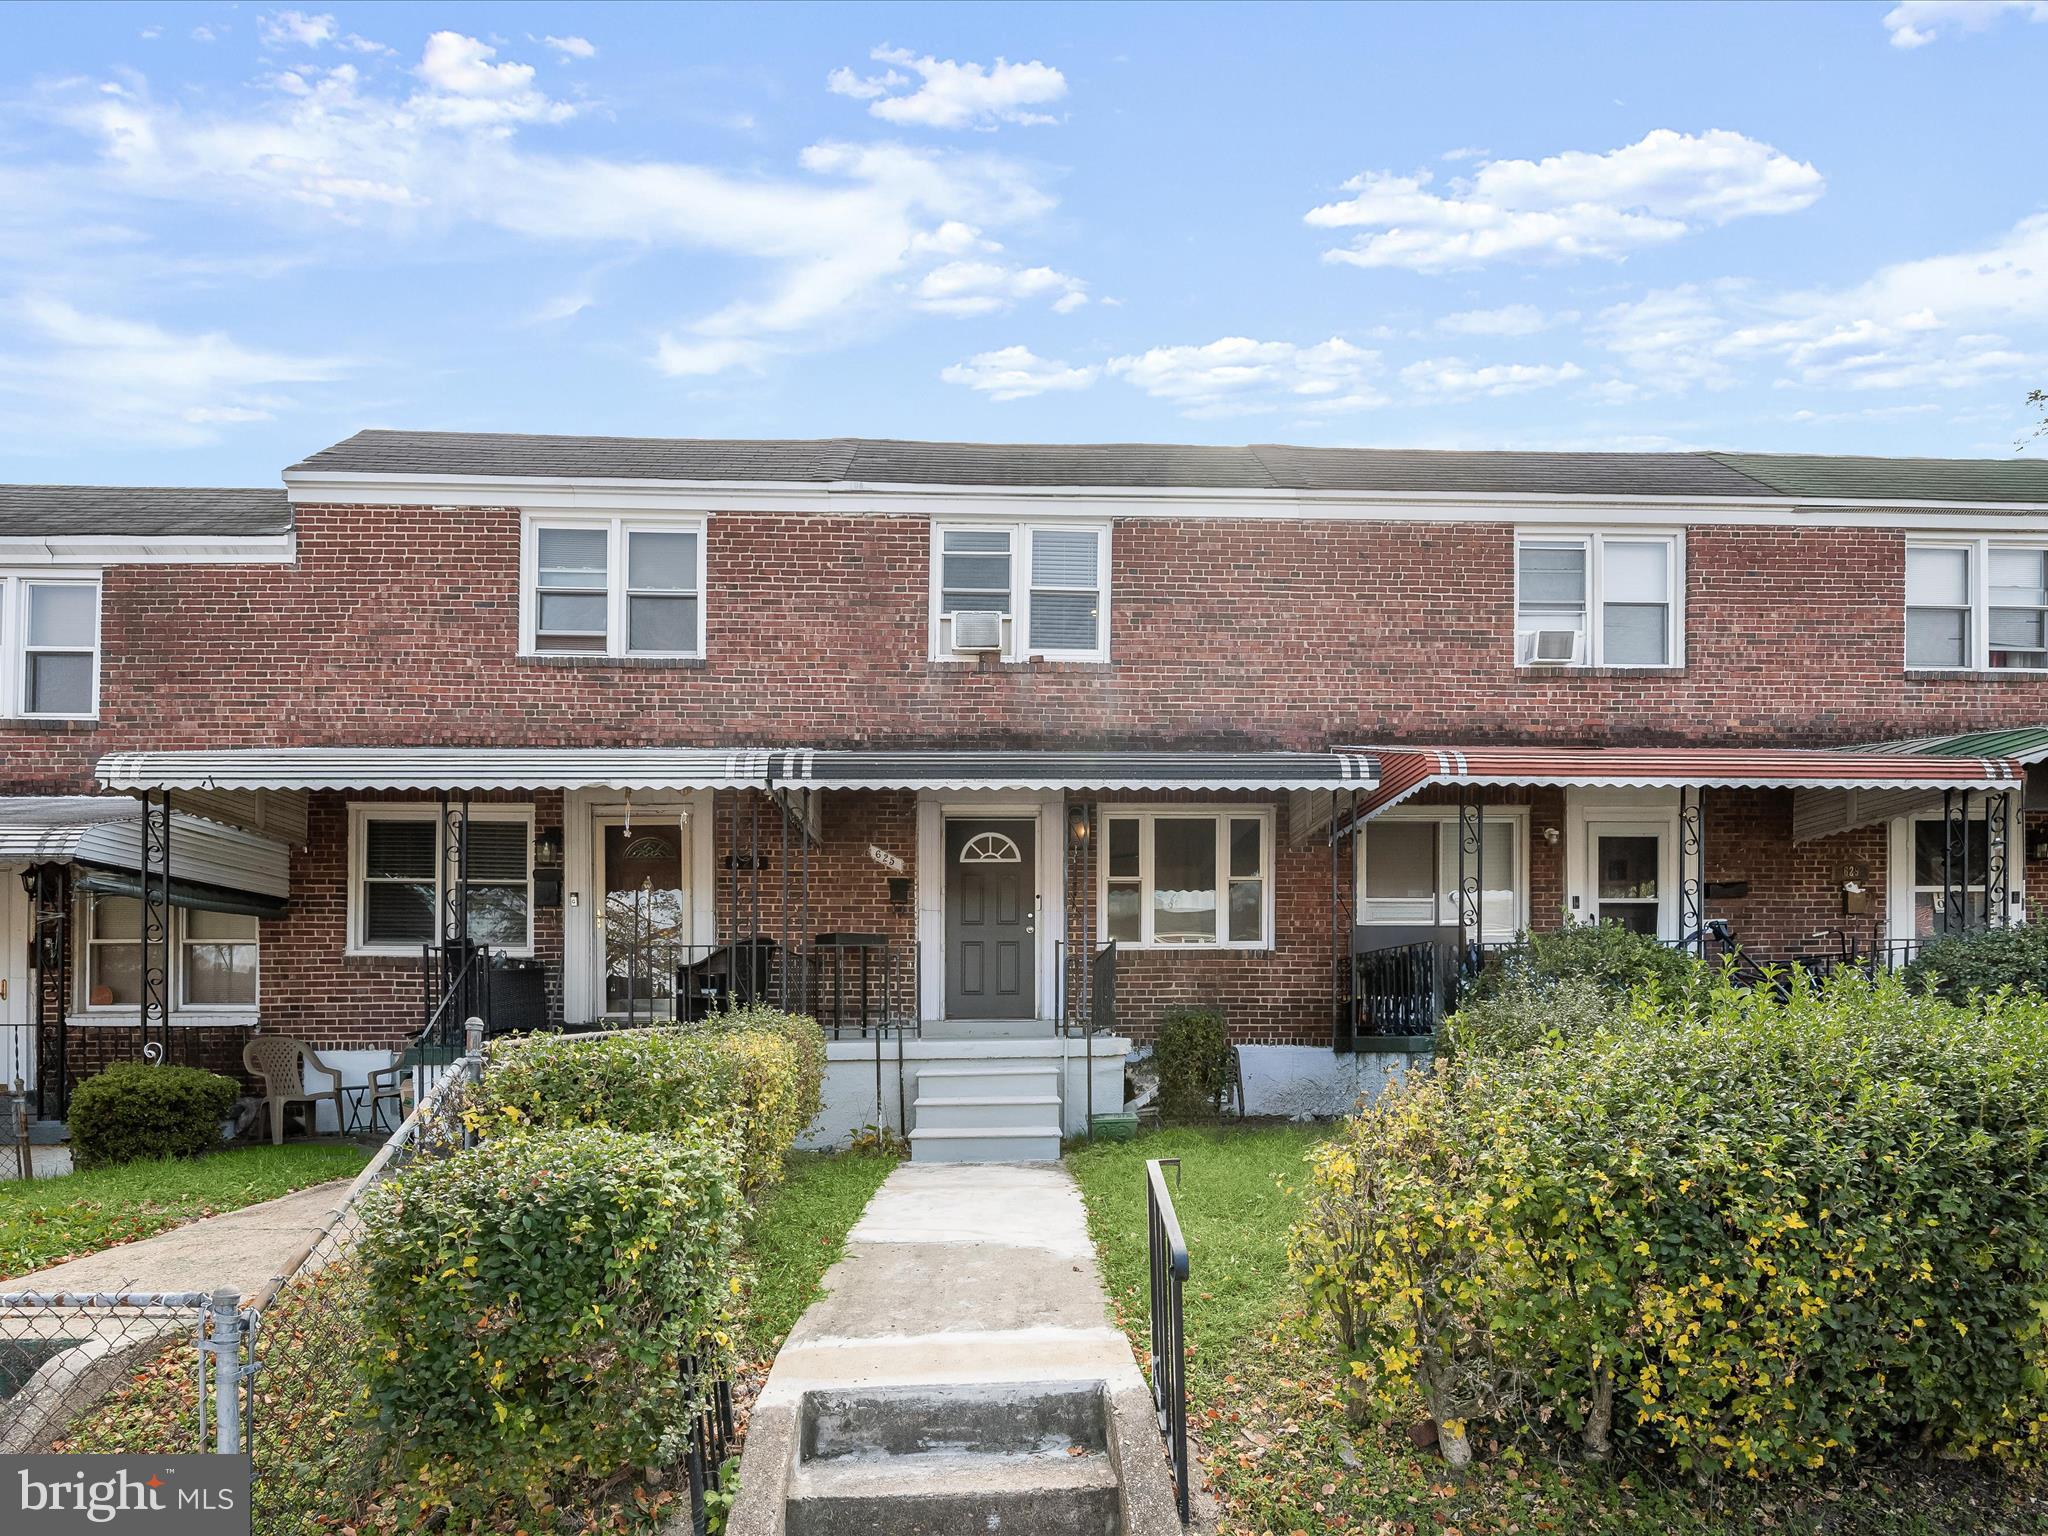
(530, 1304)
(1957, 965)
(134, 1111)
(1751, 1233)
(1617, 960)
(757, 1073)
(1193, 1055)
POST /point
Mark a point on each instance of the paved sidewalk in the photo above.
(972, 1273)
(241, 1249)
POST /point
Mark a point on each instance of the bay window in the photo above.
(1177, 876)
(1598, 600)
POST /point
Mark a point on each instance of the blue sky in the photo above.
(230, 234)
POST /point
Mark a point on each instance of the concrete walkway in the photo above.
(241, 1249)
(959, 1275)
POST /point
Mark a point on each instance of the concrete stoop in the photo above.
(954, 1460)
(1004, 1112)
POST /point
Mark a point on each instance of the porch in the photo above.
(1774, 860)
(952, 919)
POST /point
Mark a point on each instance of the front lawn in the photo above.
(48, 1221)
(798, 1233)
(1281, 1458)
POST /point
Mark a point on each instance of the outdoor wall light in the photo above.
(1551, 835)
(1077, 824)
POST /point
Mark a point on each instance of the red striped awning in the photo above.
(1406, 770)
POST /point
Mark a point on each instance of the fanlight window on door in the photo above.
(991, 848)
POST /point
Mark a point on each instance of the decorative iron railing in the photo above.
(1167, 1250)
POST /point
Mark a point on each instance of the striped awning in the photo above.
(1406, 771)
(433, 768)
(651, 768)
(1137, 771)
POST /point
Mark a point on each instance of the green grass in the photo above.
(47, 1221)
(1281, 1457)
(799, 1233)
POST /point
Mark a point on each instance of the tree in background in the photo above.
(2038, 399)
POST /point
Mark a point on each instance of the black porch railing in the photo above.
(455, 987)
(711, 1434)
(1409, 989)
(1168, 1252)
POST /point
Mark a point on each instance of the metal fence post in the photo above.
(224, 1343)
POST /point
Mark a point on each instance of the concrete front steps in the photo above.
(1003, 1112)
(938, 1460)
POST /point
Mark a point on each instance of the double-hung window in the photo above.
(1598, 600)
(1977, 604)
(50, 647)
(215, 965)
(1179, 876)
(1021, 590)
(614, 587)
(399, 872)
(1409, 866)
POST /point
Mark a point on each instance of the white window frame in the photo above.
(1594, 541)
(1148, 817)
(1979, 550)
(88, 939)
(1902, 890)
(360, 812)
(14, 650)
(1447, 898)
(617, 528)
(1017, 641)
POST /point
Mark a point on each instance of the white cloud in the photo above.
(466, 88)
(1508, 320)
(1238, 376)
(1452, 378)
(1938, 322)
(841, 242)
(986, 287)
(295, 29)
(1916, 23)
(1575, 204)
(571, 47)
(151, 33)
(1017, 373)
(950, 94)
(204, 34)
(77, 374)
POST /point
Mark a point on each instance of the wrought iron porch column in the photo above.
(1955, 860)
(455, 905)
(50, 1001)
(1471, 879)
(156, 926)
(1692, 870)
(1997, 825)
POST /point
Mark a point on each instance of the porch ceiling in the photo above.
(1408, 770)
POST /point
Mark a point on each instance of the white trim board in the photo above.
(100, 550)
(1092, 503)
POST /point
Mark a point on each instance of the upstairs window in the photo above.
(614, 587)
(1597, 600)
(50, 643)
(1977, 604)
(1017, 591)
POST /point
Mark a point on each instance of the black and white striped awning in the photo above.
(1271, 771)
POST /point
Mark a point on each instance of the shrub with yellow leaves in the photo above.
(1754, 1231)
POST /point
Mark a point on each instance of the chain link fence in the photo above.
(269, 1375)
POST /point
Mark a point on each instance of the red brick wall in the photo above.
(400, 625)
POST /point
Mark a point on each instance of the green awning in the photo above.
(2022, 743)
(184, 893)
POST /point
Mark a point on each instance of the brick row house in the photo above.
(990, 755)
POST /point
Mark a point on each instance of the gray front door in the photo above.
(991, 910)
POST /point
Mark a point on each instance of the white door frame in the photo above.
(1048, 808)
(1588, 813)
(583, 882)
(1898, 903)
(17, 1016)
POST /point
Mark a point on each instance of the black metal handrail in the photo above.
(1168, 1252)
(452, 994)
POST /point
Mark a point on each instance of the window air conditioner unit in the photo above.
(977, 630)
(1549, 647)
